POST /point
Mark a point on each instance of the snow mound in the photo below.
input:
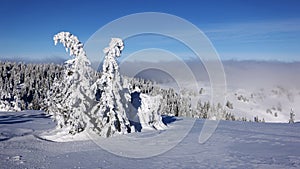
(62, 135)
(148, 112)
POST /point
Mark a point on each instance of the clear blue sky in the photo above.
(242, 30)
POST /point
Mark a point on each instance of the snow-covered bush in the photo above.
(292, 116)
(148, 112)
(9, 106)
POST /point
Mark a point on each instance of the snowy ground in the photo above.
(273, 104)
(233, 145)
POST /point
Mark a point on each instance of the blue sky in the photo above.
(240, 30)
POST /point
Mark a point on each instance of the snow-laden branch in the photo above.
(113, 51)
(70, 42)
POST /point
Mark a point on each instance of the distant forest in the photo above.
(27, 86)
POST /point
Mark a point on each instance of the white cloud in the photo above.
(253, 30)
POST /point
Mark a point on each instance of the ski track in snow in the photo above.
(233, 145)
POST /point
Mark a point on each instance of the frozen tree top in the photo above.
(70, 42)
(115, 47)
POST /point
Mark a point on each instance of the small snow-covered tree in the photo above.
(110, 112)
(229, 104)
(292, 116)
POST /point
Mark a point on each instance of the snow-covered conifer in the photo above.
(110, 112)
(71, 97)
(292, 116)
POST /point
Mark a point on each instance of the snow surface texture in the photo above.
(233, 145)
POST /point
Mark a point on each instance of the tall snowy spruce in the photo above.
(70, 98)
(110, 112)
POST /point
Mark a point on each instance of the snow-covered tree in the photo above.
(292, 116)
(110, 112)
(229, 104)
(71, 97)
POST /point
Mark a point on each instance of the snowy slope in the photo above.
(271, 104)
(233, 145)
(267, 90)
